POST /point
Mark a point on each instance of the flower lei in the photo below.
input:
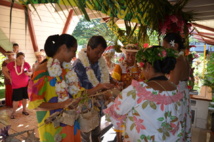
(63, 87)
(22, 66)
(90, 73)
(153, 54)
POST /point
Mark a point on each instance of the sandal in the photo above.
(12, 116)
(25, 113)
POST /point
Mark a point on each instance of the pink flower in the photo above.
(174, 19)
(145, 45)
(141, 64)
(164, 53)
(117, 103)
(138, 124)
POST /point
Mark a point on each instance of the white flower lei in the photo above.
(70, 84)
(21, 71)
(90, 73)
(181, 53)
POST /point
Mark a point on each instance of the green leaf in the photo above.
(163, 137)
(132, 126)
(138, 140)
(133, 93)
(152, 105)
(166, 114)
(142, 137)
(48, 137)
(149, 137)
(160, 130)
(144, 105)
(160, 119)
(164, 124)
(40, 115)
(63, 135)
(173, 118)
(167, 134)
(58, 130)
(131, 118)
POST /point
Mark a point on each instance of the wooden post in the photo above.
(68, 21)
(32, 32)
(205, 48)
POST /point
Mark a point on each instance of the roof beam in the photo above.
(2, 50)
(15, 5)
(203, 27)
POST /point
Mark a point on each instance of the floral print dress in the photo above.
(42, 89)
(185, 111)
(125, 74)
(143, 114)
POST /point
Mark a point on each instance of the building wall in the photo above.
(51, 22)
(19, 34)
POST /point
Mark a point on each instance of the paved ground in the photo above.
(22, 123)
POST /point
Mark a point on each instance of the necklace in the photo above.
(89, 71)
(63, 86)
(162, 77)
(21, 71)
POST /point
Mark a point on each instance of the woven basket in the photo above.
(68, 117)
(89, 120)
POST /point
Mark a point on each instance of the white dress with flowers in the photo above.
(144, 114)
(185, 111)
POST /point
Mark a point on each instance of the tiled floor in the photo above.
(22, 123)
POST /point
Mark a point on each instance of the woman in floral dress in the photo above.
(180, 76)
(49, 89)
(127, 69)
(149, 111)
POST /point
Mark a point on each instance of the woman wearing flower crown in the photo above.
(180, 76)
(149, 111)
(108, 56)
(39, 59)
(18, 73)
(8, 86)
(127, 69)
(50, 90)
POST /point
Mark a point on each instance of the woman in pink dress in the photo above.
(19, 76)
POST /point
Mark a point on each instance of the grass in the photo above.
(2, 90)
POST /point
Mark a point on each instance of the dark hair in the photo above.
(19, 54)
(177, 38)
(95, 41)
(15, 44)
(164, 66)
(53, 43)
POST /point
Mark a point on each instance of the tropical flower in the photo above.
(139, 124)
(66, 65)
(141, 64)
(164, 53)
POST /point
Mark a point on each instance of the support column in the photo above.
(68, 21)
(32, 31)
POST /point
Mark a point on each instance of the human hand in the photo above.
(105, 86)
(119, 85)
(28, 73)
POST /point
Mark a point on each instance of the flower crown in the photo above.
(153, 54)
(130, 47)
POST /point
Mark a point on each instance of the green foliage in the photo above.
(86, 29)
(209, 76)
(153, 54)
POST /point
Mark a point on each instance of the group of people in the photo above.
(150, 107)
(17, 73)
